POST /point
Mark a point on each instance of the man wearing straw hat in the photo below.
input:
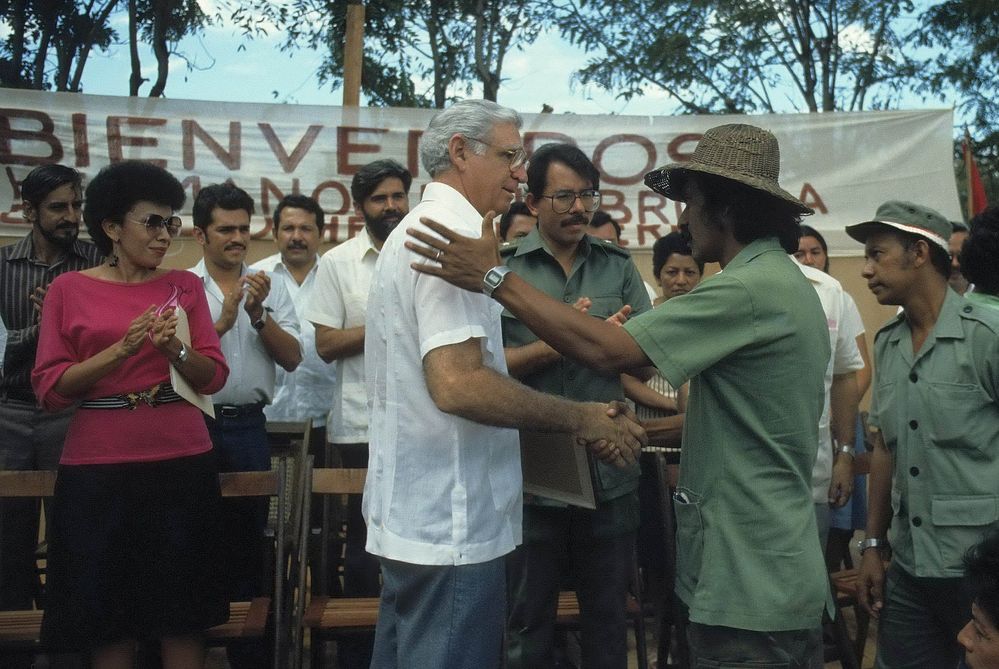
(935, 466)
(754, 343)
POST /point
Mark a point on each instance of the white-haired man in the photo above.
(442, 498)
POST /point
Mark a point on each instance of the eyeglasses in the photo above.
(515, 157)
(563, 200)
(154, 223)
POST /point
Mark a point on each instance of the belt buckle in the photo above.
(229, 411)
(148, 396)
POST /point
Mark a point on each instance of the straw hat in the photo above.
(736, 151)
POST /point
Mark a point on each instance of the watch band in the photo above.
(843, 448)
(870, 542)
(493, 278)
(182, 356)
(258, 324)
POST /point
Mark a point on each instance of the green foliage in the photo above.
(740, 57)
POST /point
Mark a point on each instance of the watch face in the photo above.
(493, 277)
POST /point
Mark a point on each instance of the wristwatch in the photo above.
(843, 448)
(493, 278)
(871, 542)
(181, 357)
(258, 324)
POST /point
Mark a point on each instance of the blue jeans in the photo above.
(920, 621)
(241, 446)
(440, 616)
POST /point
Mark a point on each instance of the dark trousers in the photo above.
(716, 647)
(240, 443)
(31, 439)
(598, 567)
(360, 568)
(920, 620)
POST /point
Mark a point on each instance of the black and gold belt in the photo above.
(161, 393)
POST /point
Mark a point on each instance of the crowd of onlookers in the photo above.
(419, 353)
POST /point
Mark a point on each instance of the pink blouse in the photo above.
(81, 317)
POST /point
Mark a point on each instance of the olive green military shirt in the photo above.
(939, 415)
(606, 274)
(754, 343)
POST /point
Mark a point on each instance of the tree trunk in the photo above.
(135, 80)
(81, 58)
(17, 17)
(161, 15)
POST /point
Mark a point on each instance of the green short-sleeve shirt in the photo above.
(754, 342)
(607, 275)
(938, 413)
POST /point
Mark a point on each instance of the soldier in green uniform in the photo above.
(754, 343)
(935, 468)
(593, 546)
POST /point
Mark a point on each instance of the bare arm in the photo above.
(843, 400)
(198, 369)
(336, 344)
(463, 261)
(636, 390)
(524, 360)
(78, 378)
(872, 573)
(499, 400)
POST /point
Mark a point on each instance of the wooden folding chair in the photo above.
(328, 618)
(20, 631)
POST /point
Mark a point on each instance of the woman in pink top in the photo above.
(135, 516)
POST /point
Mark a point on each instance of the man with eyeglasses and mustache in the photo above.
(337, 310)
(595, 546)
(257, 326)
(32, 438)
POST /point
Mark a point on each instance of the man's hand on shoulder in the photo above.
(457, 259)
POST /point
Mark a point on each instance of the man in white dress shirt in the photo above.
(304, 393)
(381, 195)
(443, 497)
(257, 327)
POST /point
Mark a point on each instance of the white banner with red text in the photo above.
(843, 165)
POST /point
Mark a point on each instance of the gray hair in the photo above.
(469, 118)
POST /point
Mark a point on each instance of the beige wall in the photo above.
(186, 252)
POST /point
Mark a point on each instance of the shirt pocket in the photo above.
(689, 538)
(956, 418)
(960, 522)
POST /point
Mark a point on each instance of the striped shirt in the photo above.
(20, 274)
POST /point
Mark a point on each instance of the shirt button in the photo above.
(913, 377)
(913, 424)
(967, 309)
(914, 471)
(917, 521)
(568, 300)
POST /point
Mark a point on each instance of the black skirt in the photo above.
(134, 553)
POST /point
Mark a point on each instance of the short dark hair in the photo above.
(368, 177)
(116, 189)
(222, 196)
(980, 253)
(939, 257)
(981, 573)
(517, 208)
(755, 214)
(568, 155)
(601, 218)
(664, 247)
(809, 231)
(46, 178)
(305, 202)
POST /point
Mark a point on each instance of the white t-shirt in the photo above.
(440, 489)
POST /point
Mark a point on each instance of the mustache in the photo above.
(575, 219)
(229, 247)
(298, 245)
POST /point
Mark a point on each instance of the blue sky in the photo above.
(261, 73)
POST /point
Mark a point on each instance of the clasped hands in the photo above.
(612, 433)
(159, 327)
